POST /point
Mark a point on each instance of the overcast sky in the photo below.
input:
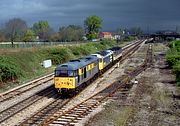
(155, 14)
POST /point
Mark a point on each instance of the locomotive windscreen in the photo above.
(65, 73)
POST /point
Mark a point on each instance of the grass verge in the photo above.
(20, 65)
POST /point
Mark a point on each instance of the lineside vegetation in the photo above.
(173, 59)
(25, 64)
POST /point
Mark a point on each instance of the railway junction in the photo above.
(27, 105)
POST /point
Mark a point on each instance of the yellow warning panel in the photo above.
(64, 82)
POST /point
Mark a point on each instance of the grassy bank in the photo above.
(20, 65)
(173, 59)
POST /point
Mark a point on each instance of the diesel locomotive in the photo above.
(73, 74)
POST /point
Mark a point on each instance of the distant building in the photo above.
(105, 35)
(117, 37)
(37, 38)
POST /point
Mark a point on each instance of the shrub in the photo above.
(129, 38)
(9, 70)
(26, 63)
(60, 55)
(176, 70)
(172, 59)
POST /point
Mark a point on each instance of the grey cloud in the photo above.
(114, 13)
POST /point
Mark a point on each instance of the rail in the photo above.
(50, 109)
(72, 116)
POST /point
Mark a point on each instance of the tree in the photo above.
(42, 29)
(177, 29)
(136, 31)
(2, 35)
(14, 29)
(28, 35)
(55, 37)
(92, 26)
(71, 33)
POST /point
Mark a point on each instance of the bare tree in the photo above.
(2, 34)
(15, 28)
(136, 31)
(71, 33)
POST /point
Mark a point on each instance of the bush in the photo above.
(76, 50)
(9, 70)
(129, 38)
(60, 55)
(25, 64)
(176, 70)
(173, 59)
(175, 46)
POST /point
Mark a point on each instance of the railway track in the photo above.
(72, 116)
(26, 87)
(33, 84)
(49, 110)
(11, 111)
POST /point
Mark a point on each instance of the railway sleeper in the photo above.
(54, 124)
(92, 101)
(83, 106)
(84, 111)
(76, 112)
(81, 109)
(70, 116)
(64, 119)
(90, 106)
(72, 124)
(67, 117)
(60, 123)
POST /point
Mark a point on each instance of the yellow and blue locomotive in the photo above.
(73, 74)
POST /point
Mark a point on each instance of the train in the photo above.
(71, 76)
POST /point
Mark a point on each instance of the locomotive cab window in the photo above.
(100, 60)
(65, 73)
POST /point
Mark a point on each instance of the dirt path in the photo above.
(155, 101)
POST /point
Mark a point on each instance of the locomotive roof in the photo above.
(105, 53)
(77, 63)
(115, 48)
(97, 55)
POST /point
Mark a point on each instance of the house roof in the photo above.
(105, 33)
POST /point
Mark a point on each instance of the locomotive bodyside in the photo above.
(72, 74)
(75, 73)
(105, 58)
